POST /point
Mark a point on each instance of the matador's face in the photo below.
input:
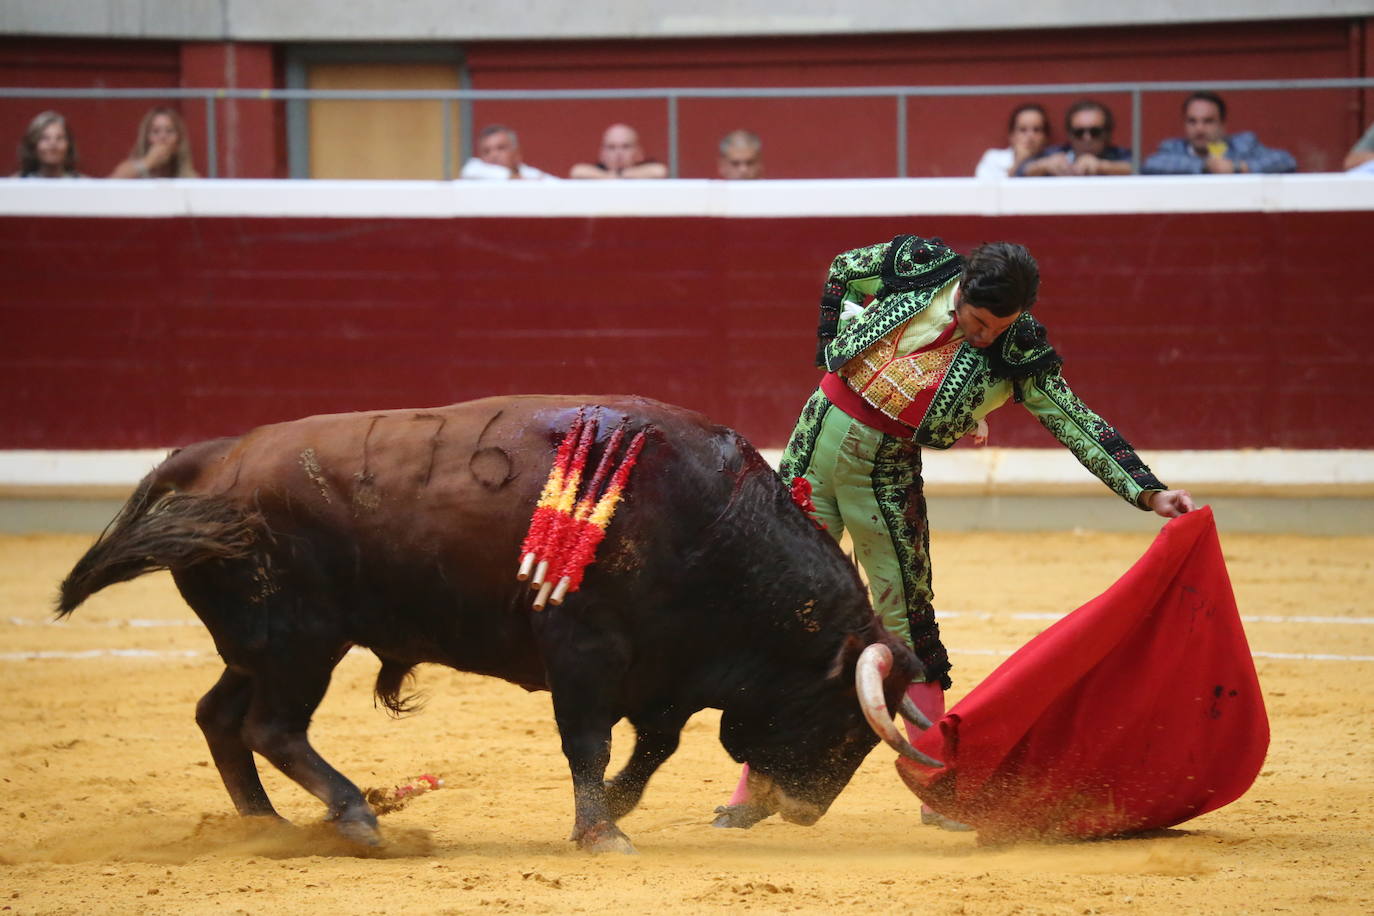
(980, 326)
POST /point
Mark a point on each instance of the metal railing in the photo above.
(671, 98)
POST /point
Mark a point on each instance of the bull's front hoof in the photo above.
(359, 832)
(605, 837)
(739, 816)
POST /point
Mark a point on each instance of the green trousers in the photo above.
(869, 483)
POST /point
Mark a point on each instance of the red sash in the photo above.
(846, 399)
(837, 389)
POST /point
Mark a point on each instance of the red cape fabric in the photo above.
(1138, 711)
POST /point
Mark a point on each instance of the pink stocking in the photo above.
(742, 790)
(929, 699)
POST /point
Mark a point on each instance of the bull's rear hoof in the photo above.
(739, 816)
(358, 832)
(605, 837)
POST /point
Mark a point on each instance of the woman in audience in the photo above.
(162, 151)
(47, 149)
(1361, 155)
(1028, 131)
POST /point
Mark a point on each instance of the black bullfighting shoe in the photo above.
(741, 816)
(936, 819)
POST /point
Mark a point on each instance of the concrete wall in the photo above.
(443, 20)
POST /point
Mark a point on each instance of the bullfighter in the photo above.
(943, 342)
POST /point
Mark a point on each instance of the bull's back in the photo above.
(463, 479)
(408, 524)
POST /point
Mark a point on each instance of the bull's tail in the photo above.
(157, 529)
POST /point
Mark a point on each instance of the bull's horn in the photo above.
(874, 664)
(912, 713)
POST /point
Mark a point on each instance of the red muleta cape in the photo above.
(1138, 711)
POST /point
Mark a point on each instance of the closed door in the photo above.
(358, 138)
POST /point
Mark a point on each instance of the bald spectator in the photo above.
(499, 158)
(1207, 149)
(741, 155)
(621, 157)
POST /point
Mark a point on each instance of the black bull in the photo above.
(400, 531)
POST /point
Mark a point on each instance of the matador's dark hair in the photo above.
(1001, 277)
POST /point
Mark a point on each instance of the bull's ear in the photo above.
(846, 659)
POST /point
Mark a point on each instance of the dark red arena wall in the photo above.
(1188, 330)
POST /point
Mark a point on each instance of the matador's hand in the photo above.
(1171, 503)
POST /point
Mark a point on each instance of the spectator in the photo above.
(1208, 148)
(741, 155)
(163, 148)
(499, 158)
(1089, 150)
(47, 149)
(621, 157)
(1361, 155)
(1028, 130)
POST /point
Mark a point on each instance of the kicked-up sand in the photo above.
(112, 805)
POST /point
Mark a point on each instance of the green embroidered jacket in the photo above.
(904, 276)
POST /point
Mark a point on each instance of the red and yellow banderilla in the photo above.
(565, 530)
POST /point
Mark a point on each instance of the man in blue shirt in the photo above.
(1208, 149)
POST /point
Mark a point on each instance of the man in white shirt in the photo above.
(498, 157)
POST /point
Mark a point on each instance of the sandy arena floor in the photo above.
(112, 806)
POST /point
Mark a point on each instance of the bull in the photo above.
(400, 531)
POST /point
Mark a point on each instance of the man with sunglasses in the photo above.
(1089, 150)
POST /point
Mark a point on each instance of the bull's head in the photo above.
(805, 749)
